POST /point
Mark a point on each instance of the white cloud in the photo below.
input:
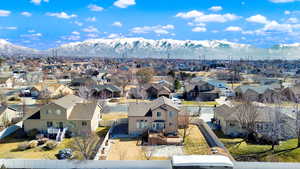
(78, 23)
(158, 29)
(233, 29)
(92, 35)
(34, 36)
(71, 37)
(90, 29)
(31, 31)
(283, 1)
(28, 14)
(9, 28)
(62, 15)
(117, 24)
(216, 8)
(95, 8)
(38, 2)
(114, 36)
(196, 24)
(286, 12)
(4, 12)
(202, 18)
(91, 19)
(76, 33)
(199, 29)
(258, 19)
(124, 3)
(293, 20)
(275, 26)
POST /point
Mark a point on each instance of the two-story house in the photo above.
(70, 113)
(160, 115)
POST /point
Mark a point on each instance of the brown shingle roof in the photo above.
(83, 111)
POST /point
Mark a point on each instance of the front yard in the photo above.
(242, 151)
(197, 103)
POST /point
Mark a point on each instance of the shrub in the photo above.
(23, 146)
(33, 144)
(14, 98)
(50, 145)
(42, 141)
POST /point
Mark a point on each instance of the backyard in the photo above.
(194, 142)
(242, 151)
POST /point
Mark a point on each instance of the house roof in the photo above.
(83, 111)
(52, 87)
(68, 101)
(3, 79)
(259, 89)
(110, 87)
(264, 114)
(141, 109)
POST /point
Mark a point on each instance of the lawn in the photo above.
(242, 151)
(114, 116)
(197, 103)
(8, 150)
(194, 142)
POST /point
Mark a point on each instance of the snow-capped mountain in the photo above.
(7, 48)
(140, 47)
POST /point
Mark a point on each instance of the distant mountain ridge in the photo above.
(164, 48)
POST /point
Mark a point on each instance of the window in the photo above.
(49, 124)
(158, 114)
(48, 111)
(170, 124)
(58, 112)
(231, 124)
(171, 114)
(84, 123)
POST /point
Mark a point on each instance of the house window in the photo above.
(84, 123)
(158, 114)
(49, 124)
(231, 124)
(170, 124)
(171, 114)
(58, 112)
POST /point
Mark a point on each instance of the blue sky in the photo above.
(43, 24)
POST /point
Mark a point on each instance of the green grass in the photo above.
(286, 151)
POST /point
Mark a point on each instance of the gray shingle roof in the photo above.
(68, 101)
(141, 109)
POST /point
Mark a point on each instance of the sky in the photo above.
(43, 24)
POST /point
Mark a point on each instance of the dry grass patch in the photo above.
(195, 142)
(114, 116)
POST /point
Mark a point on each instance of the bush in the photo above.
(50, 145)
(23, 146)
(14, 98)
(33, 144)
(42, 141)
(32, 133)
(114, 100)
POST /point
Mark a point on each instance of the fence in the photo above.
(110, 123)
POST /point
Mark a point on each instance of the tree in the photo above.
(122, 79)
(247, 116)
(177, 84)
(144, 75)
(184, 122)
(86, 145)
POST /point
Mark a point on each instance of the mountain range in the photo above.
(164, 48)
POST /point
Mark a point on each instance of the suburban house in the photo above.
(67, 114)
(6, 82)
(157, 90)
(53, 89)
(265, 93)
(83, 81)
(8, 115)
(106, 91)
(292, 93)
(200, 90)
(226, 119)
(159, 116)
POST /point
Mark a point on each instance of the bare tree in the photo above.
(144, 75)
(86, 145)
(184, 122)
(148, 152)
(247, 116)
(122, 79)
